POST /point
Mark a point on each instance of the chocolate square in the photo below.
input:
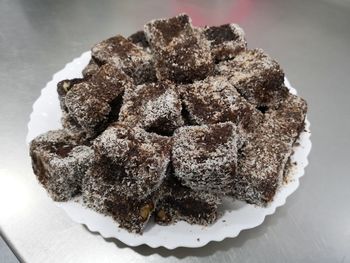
(216, 100)
(256, 76)
(60, 164)
(205, 157)
(181, 53)
(156, 107)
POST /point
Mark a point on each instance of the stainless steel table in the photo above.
(311, 39)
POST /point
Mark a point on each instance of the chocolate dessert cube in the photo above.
(263, 158)
(257, 77)
(215, 100)
(134, 60)
(131, 165)
(155, 107)
(60, 164)
(226, 41)
(104, 191)
(205, 157)
(96, 102)
(261, 162)
(141, 156)
(181, 53)
(90, 69)
(178, 202)
(289, 119)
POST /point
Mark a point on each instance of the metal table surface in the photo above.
(311, 40)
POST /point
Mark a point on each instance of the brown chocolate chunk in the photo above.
(260, 168)
(263, 158)
(226, 41)
(131, 165)
(60, 163)
(256, 76)
(134, 60)
(289, 119)
(205, 157)
(216, 100)
(155, 107)
(104, 191)
(142, 156)
(181, 53)
(96, 102)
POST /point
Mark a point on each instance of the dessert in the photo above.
(60, 163)
(155, 107)
(181, 53)
(256, 76)
(133, 60)
(167, 123)
(214, 100)
(104, 191)
(143, 157)
(205, 157)
(130, 167)
(95, 102)
(263, 158)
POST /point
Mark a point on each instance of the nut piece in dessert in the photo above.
(122, 53)
(178, 202)
(215, 100)
(256, 76)
(60, 163)
(181, 53)
(226, 41)
(156, 107)
(95, 103)
(205, 157)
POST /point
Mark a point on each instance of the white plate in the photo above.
(236, 217)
